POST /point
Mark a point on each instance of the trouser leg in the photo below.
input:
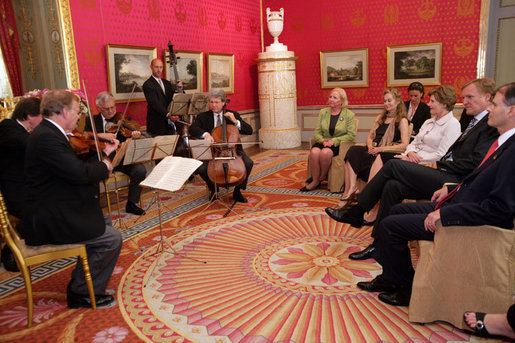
(406, 223)
(136, 173)
(103, 252)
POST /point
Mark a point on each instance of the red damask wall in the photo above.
(221, 26)
(313, 26)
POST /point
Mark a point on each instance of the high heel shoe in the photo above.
(349, 199)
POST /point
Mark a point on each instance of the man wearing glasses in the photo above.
(136, 172)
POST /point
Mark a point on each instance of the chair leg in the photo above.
(106, 190)
(89, 281)
(28, 289)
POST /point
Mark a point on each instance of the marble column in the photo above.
(278, 100)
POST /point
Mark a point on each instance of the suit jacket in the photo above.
(205, 122)
(13, 141)
(487, 195)
(421, 115)
(157, 106)
(344, 131)
(469, 150)
(61, 201)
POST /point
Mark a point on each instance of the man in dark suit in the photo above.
(159, 93)
(485, 197)
(136, 172)
(14, 134)
(205, 123)
(399, 180)
(418, 112)
(61, 202)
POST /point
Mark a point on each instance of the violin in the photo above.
(84, 142)
(227, 168)
(122, 124)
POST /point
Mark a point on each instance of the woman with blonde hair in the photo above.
(389, 132)
(335, 125)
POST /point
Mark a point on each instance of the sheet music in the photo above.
(179, 104)
(201, 149)
(199, 103)
(171, 173)
(147, 149)
(120, 153)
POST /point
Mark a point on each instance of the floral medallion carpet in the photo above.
(274, 270)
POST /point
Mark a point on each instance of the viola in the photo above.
(227, 168)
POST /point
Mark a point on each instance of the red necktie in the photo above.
(490, 151)
(451, 194)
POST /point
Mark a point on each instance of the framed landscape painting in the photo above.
(127, 65)
(408, 63)
(220, 72)
(344, 68)
(190, 65)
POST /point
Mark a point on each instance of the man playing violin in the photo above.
(205, 123)
(106, 118)
(61, 202)
(159, 93)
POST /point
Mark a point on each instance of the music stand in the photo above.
(169, 175)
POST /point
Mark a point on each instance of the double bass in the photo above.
(227, 168)
(182, 148)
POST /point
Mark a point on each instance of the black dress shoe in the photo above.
(309, 180)
(364, 254)
(400, 297)
(134, 209)
(84, 301)
(8, 260)
(345, 215)
(238, 197)
(378, 285)
(369, 223)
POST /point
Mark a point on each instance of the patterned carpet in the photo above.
(276, 270)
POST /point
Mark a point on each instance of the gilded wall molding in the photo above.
(483, 35)
(70, 55)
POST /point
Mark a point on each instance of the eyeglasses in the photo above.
(108, 108)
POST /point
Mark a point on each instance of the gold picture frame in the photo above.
(127, 64)
(190, 67)
(344, 68)
(220, 72)
(417, 62)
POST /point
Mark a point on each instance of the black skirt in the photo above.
(360, 160)
(335, 149)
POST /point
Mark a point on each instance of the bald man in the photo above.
(159, 93)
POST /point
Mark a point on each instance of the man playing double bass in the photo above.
(205, 123)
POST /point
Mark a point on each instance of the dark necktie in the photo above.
(218, 120)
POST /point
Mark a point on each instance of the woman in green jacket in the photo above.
(335, 125)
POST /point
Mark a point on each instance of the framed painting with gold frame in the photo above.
(190, 66)
(344, 68)
(220, 72)
(126, 65)
(418, 62)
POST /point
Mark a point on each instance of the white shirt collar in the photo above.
(59, 127)
(505, 136)
(19, 122)
(480, 116)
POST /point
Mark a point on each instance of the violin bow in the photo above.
(120, 123)
(93, 126)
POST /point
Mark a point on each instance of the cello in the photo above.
(227, 168)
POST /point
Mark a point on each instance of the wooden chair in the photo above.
(116, 182)
(336, 177)
(27, 256)
(464, 269)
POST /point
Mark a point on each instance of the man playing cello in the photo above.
(203, 126)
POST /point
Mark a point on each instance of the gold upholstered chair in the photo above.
(116, 182)
(336, 176)
(464, 269)
(27, 256)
